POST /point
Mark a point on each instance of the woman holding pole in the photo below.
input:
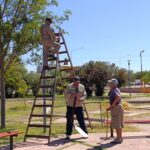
(116, 110)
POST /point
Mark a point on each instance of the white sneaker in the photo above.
(68, 137)
(85, 137)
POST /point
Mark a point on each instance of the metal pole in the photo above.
(129, 77)
(141, 60)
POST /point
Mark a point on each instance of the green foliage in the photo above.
(32, 80)
(138, 75)
(94, 75)
(122, 76)
(20, 21)
(146, 77)
(15, 83)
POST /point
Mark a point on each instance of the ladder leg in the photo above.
(87, 115)
(27, 129)
(52, 108)
(101, 116)
(44, 103)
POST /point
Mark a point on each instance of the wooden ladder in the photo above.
(43, 105)
(42, 108)
(68, 69)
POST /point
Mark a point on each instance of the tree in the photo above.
(95, 74)
(32, 80)
(122, 76)
(146, 77)
(20, 21)
(15, 83)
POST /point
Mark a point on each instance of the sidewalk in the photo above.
(137, 141)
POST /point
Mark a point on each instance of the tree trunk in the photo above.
(2, 91)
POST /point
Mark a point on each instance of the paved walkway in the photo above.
(137, 141)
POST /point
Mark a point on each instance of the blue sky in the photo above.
(108, 30)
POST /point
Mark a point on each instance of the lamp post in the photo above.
(141, 59)
(129, 77)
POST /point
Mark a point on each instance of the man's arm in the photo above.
(84, 94)
(68, 93)
(117, 99)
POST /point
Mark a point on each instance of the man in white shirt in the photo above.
(75, 95)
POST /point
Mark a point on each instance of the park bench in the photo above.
(10, 134)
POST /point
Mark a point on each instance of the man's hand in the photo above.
(108, 109)
(81, 99)
(75, 95)
(113, 105)
(78, 96)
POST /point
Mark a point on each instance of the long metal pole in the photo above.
(141, 61)
(129, 77)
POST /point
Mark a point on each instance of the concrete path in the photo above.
(137, 141)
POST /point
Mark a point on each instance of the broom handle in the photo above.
(107, 126)
(74, 104)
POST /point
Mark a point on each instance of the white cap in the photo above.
(113, 81)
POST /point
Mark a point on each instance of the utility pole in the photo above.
(129, 77)
(141, 60)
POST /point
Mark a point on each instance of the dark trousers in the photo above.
(78, 111)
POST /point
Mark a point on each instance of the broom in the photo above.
(78, 129)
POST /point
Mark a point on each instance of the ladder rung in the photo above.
(52, 59)
(62, 52)
(89, 126)
(62, 61)
(42, 105)
(61, 43)
(39, 125)
(49, 68)
(41, 99)
(64, 78)
(59, 116)
(48, 77)
(66, 69)
(45, 95)
(38, 136)
(47, 116)
(46, 86)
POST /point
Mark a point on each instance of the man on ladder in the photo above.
(75, 95)
(50, 46)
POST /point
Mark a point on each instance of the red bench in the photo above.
(10, 134)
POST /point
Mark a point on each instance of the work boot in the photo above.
(51, 56)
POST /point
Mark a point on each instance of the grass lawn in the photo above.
(18, 111)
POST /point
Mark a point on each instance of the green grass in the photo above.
(18, 111)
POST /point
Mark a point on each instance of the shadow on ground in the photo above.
(21, 145)
(57, 142)
(102, 146)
